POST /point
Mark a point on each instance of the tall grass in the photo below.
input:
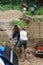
(39, 11)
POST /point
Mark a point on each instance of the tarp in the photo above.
(8, 56)
(2, 48)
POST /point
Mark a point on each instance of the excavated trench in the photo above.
(5, 31)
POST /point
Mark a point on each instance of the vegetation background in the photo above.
(17, 4)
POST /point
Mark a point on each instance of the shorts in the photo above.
(22, 43)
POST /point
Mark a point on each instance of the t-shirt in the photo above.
(24, 10)
(23, 35)
(1, 62)
(32, 8)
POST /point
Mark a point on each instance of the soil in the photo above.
(5, 32)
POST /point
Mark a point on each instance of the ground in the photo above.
(5, 32)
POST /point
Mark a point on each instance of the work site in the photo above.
(12, 51)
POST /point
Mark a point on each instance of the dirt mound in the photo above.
(9, 15)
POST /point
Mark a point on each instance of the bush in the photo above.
(39, 11)
(20, 23)
(6, 7)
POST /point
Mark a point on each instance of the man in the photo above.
(15, 33)
(22, 44)
(23, 38)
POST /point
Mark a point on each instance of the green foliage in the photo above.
(9, 7)
(39, 11)
(18, 7)
(6, 7)
(20, 23)
(29, 11)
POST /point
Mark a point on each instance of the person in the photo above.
(25, 7)
(15, 33)
(33, 10)
(22, 44)
(33, 7)
(23, 39)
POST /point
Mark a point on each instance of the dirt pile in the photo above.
(9, 15)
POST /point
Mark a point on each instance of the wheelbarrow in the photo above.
(39, 50)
